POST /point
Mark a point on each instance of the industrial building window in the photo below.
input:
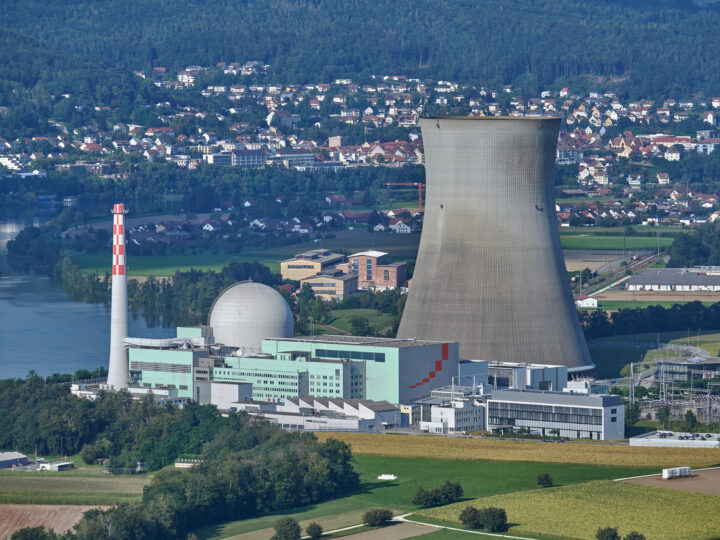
(386, 275)
(500, 413)
(183, 387)
(352, 355)
(159, 366)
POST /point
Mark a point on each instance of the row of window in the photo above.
(168, 386)
(351, 355)
(507, 413)
(255, 374)
(159, 366)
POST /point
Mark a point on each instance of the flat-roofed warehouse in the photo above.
(8, 459)
(703, 279)
(577, 416)
(309, 263)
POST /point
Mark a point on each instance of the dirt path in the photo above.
(14, 517)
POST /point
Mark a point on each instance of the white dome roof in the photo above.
(246, 313)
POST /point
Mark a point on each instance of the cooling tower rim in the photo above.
(495, 118)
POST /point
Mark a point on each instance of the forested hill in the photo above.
(649, 48)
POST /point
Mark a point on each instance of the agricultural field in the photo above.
(167, 265)
(701, 481)
(590, 241)
(447, 534)
(58, 517)
(479, 478)
(69, 488)
(451, 448)
(577, 511)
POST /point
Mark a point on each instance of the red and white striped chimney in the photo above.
(118, 368)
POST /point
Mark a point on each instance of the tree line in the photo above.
(211, 186)
(693, 316)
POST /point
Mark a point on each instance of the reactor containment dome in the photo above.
(246, 313)
(490, 271)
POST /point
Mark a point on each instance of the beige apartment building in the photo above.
(306, 264)
(332, 284)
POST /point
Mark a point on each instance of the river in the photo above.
(41, 327)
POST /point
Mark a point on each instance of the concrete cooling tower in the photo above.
(490, 272)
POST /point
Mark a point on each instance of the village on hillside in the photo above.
(619, 163)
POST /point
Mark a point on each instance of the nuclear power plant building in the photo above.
(490, 272)
(247, 351)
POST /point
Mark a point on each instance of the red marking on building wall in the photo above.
(438, 367)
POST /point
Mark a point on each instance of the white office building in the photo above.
(576, 416)
(456, 416)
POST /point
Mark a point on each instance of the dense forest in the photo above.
(248, 466)
(39, 82)
(646, 48)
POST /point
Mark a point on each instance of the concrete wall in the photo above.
(165, 368)
(222, 395)
(490, 271)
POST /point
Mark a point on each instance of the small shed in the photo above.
(586, 302)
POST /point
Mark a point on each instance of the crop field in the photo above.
(491, 449)
(590, 241)
(479, 478)
(59, 488)
(57, 517)
(446, 534)
(167, 265)
(577, 511)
